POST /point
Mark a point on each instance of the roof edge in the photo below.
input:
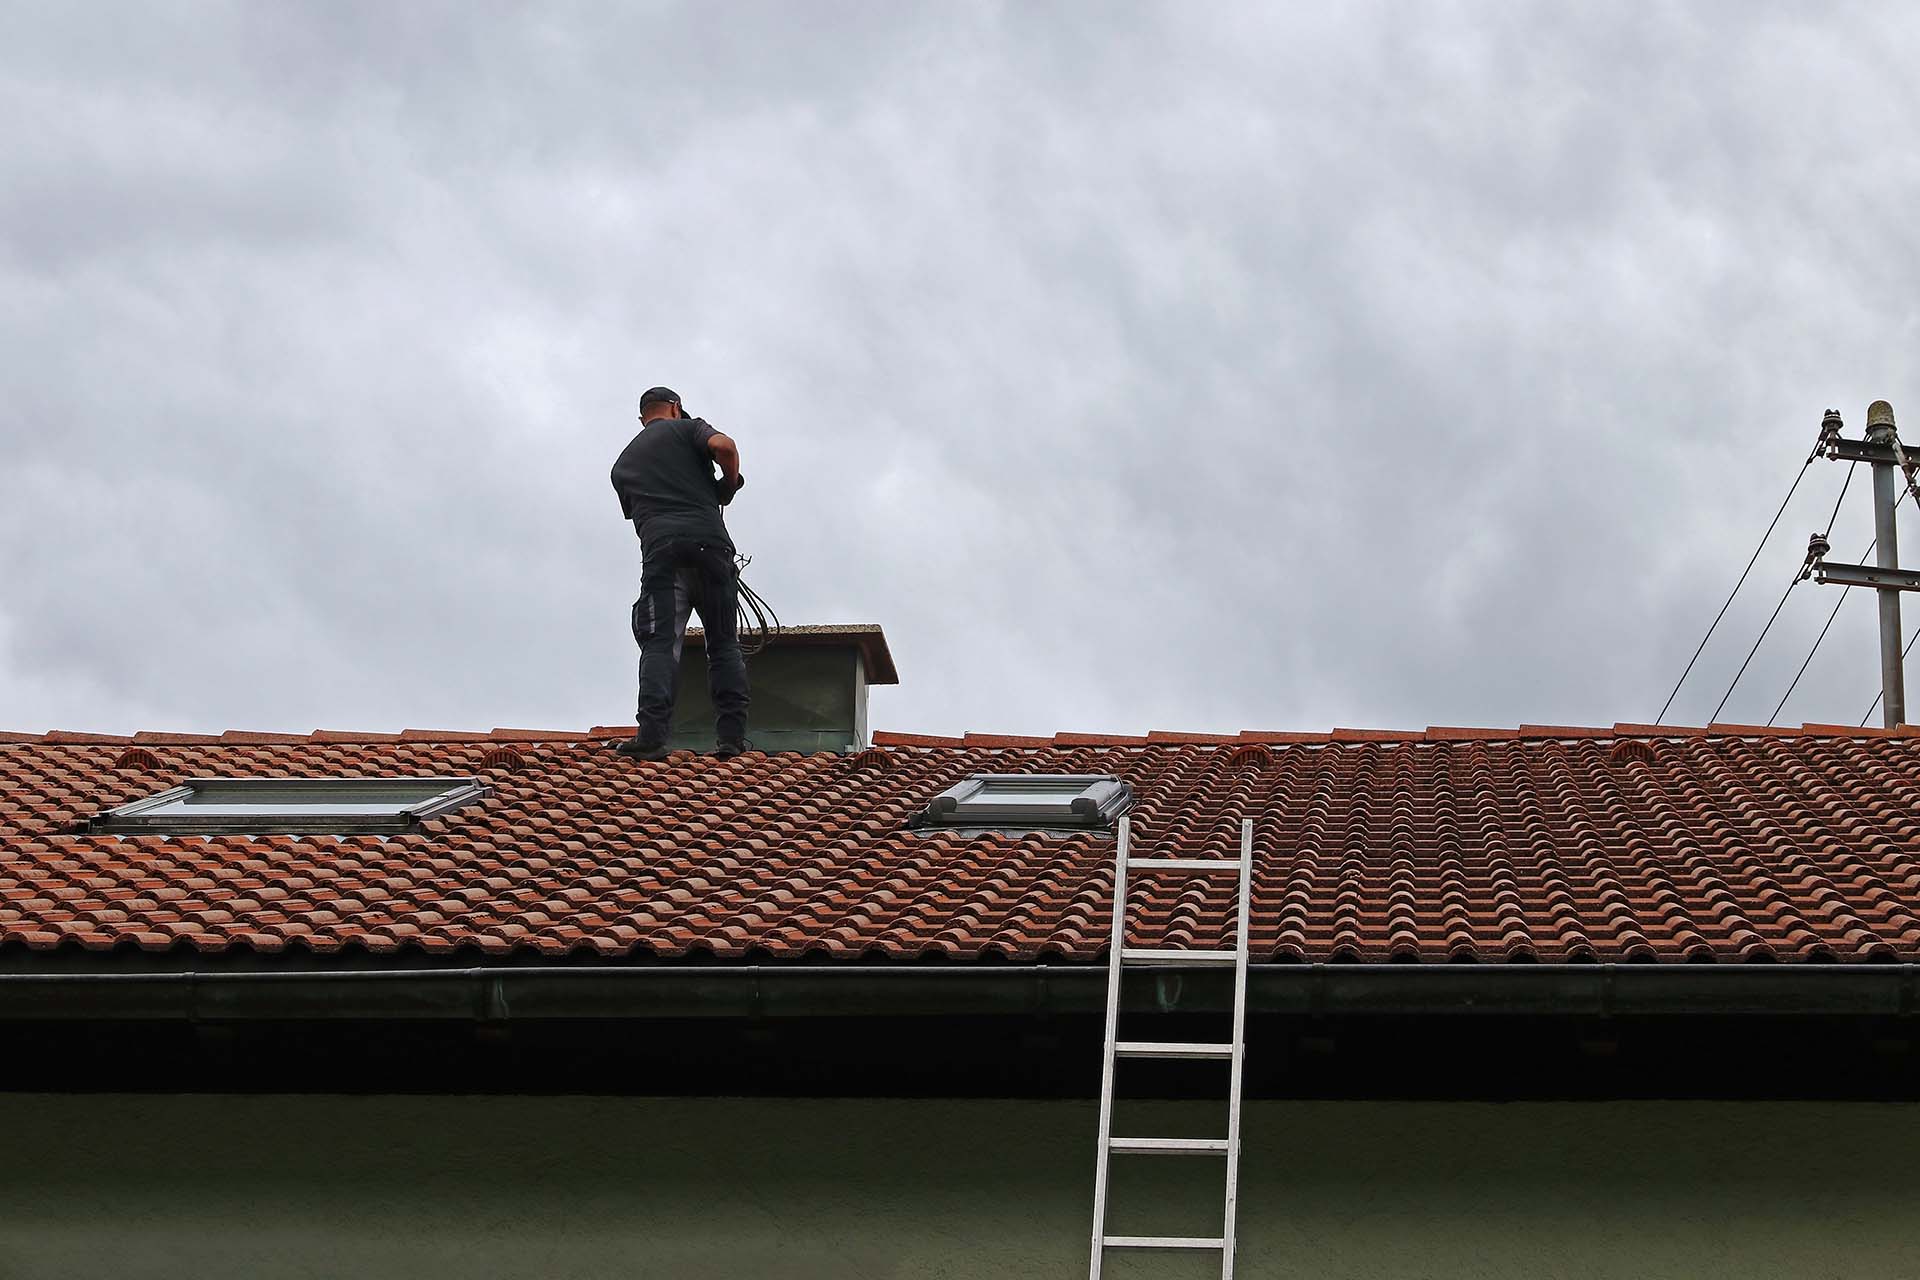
(498, 995)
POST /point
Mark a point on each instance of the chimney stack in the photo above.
(809, 689)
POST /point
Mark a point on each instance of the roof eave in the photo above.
(487, 994)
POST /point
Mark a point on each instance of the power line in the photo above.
(1715, 718)
(1822, 636)
(1903, 657)
(1751, 560)
(1835, 515)
(1844, 482)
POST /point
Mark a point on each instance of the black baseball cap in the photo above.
(654, 395)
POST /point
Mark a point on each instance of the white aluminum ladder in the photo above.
(1122, 957)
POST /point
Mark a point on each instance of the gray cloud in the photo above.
(1137, 365)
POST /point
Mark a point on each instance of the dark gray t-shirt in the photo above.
(665, 482)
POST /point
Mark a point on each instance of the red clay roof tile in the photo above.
(883, 738)
(1448, 845)
(1656, 731)
(1003, 740)
(1447, 733)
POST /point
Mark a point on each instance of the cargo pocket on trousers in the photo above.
(642, 621)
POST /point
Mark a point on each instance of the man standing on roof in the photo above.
(667, 488)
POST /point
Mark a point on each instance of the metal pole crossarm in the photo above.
(1865, 575)
(1863, 451)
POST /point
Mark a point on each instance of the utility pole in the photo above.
(1882, 450)
(1886, 498)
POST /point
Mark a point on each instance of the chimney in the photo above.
(809, 689)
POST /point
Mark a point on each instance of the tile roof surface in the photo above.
(1538, 844)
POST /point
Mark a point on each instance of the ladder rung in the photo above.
(1169, 1049)
(1164, 955)
(1182, 864)
(1163, 1242)
(1169, 1146)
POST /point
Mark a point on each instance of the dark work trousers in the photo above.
(682, 574)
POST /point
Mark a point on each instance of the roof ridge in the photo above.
(982, 740)
(1432, 733)
(250, 737)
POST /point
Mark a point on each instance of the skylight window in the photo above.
(266, 806)
(1030, 800)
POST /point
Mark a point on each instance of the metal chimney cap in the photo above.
(1879, 414)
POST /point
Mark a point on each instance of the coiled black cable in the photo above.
(756, 622)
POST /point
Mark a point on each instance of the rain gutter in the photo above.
(503, 994)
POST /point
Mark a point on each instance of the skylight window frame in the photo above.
(140, 818)
(968, 804)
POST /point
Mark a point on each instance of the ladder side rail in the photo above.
(1242, 946)
(1104, 1155)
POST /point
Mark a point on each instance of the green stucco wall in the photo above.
(576, 1187)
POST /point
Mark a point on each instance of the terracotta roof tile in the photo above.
(1003, 740)
(1656, 731)
(1649, 844)
(882, 738)
(1440, 733)
(1845, 731)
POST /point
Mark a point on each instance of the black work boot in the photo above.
(727, 749)
(638, 748)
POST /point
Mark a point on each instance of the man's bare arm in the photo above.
(727, 454)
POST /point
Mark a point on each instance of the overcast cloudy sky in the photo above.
(1136, 365)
